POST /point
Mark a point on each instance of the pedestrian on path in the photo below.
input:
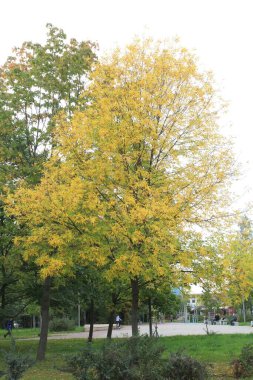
(9, 327)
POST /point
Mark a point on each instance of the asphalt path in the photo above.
(163, 329)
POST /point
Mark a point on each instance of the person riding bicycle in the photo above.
(118, 321)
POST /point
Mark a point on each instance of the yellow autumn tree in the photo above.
(150, 148)
(60, 213)
(209, 269)
(238, 262)
(160, 162)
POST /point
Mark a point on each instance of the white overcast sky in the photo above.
(220, 32)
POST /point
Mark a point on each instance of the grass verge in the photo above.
(20, 333)
(216, 350)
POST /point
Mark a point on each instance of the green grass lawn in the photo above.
(216, 350)
(34, 333)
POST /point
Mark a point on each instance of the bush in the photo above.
(61, 324)
(183, 367)
(137, 358)
(83, 365)
(243, 366)
(238, 369)
(17, 363)
(132, 359)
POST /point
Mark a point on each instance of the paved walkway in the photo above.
(164, 329)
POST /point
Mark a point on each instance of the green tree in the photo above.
(159, 299)
(36, 83)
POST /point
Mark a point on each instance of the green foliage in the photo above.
(136, 358)
(217, 350)
(61, 324)
(132, 359)
(239, 260)
(83, 365)
(183, 367)
(36, 83)
(161, 297)
(243, 366)
(17, 363)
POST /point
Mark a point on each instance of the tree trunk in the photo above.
(2, 322)
(45, 302)
(78, 315)
(3, 296)
(91, 321)
(110, 326)
(243, 310)
(135, 306)
(150, 316)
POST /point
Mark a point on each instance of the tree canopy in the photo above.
(134, 173)
(36, 83)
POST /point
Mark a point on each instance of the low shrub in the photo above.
(238, 369)
(83, 365)
(182, 367)
(247, 356)
(61, 324)
(132, 359)
(243, 366)
(17, 363)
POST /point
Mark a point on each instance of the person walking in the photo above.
(9, 327)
